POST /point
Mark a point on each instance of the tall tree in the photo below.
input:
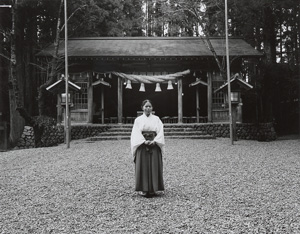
(106, 18)
(268, 25)
(16, 97)
(5, 26)
(22, 36)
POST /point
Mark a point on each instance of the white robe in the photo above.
(144, 123)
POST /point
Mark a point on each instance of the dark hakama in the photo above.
(149, 169)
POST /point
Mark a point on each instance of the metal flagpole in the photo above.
(228, 73)
(67, 133)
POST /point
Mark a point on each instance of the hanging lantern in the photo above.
(128, 86)
(109, 76)
(194, 74)
(64, 97)
(142, 87)
(157, 89)
(97, 77)
(170, 86)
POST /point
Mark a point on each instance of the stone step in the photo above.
(191, 137)
(105, 138)
(179, 129)
(185, 133)
(174, 125)
(117, 133)
(172, 131)
(169, 133)
(165, 129)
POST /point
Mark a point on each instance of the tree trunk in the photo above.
(16, 121)
(270, 60)
(52, 76)
(29, 70)
(269, 35)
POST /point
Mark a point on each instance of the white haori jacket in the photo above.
(144, 123)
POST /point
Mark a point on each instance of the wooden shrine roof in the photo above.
(60, 86)
(236, 83)
(151, 47)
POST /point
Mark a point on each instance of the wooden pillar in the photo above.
(197, 104)
(234, 119)
(209, 96)
(90, 99)
(239, 113)
(120, 100)
(102, 104)
(180, 114)
(59, 109)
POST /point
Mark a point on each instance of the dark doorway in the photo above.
(164, 102)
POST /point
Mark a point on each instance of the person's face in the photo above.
(147, 108)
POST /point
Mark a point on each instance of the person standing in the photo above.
(147, 147)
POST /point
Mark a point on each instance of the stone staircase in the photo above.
(172, 131)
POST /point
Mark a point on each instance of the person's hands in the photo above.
(149, 142)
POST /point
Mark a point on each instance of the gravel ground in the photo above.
(211, 187)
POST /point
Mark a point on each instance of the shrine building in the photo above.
(111, 76)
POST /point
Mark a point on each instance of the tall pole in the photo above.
(102, 104)
(67, 133)
(147, 17)
(228, 73)
(180, 112)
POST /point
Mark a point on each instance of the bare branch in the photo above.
(38, 66)
(4, 56)
(78, 9)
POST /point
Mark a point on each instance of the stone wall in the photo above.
(26, 140)
(55, 135)
(246, 131)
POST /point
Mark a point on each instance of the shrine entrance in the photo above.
(164, 100)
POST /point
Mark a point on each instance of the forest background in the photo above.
(28, 26)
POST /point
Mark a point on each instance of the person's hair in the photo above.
(145, 101)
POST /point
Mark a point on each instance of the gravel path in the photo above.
(211, 187)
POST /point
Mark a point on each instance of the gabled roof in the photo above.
(60, 86)
(151, 47)
(236, 84)
(101, 82)
(197, 82)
